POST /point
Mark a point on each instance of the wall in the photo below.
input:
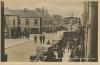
(31, 23)
(9, 22)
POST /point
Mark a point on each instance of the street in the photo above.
(49, 31)
(22, 52)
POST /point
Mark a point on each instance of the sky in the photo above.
(64, 8)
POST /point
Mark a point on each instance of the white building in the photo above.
(18, 21)
(28, 20)
(11, 21)
(72, 23)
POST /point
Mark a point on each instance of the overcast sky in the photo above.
(64, 8)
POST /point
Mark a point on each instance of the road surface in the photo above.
(22, 52)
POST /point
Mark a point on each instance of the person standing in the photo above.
(28, 35)
(40, 39)
(43, 38)
(20, 35)
(23, 34)
(35, 39)
(60, 54)
(50, 55)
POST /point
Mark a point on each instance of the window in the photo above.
(59, 21)
(50, 21)
(18, 21)
(5, 21)
(13, 22)
(27, 21)
(35, 22)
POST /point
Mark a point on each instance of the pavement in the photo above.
(49, 36)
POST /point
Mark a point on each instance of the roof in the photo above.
(8, 12)
(42, 12)
(71, 18)
(25, 13)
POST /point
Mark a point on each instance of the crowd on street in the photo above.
(55, 52)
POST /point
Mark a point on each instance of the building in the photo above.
(46, 19)
(47, 24)
(90, 19)
(11, 21)
(19, 21)
(28, 20)
(31, 21)
(52, 23)
(72, 23)
(57, 21)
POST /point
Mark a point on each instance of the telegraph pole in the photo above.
(40, 25)
(3, 55)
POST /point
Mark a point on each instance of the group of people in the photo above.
(73, 44)
(42, 39)
(54, 55)
(24, 34)
(75, 55)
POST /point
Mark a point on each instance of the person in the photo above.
(40, 39)
(23, 34)
(20, 35)
(72, 55)
(60, 54)
(35, 38)
(50, 55)
(43, 38)
(78, 54)
(48, 42)
(28, 35)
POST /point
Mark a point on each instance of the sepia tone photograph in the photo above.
(49, 31)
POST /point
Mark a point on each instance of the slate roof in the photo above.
(26, 13)
(8, 12)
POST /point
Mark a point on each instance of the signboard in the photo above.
(55, 41)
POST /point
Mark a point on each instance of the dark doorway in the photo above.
(34, 30)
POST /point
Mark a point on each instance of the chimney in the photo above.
(25, 9)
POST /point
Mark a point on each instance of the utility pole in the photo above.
(40, 25)
(19, 32)
(3, 55)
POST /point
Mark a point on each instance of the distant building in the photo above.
(52, 23)
(72, 23)
(57, 21)
(47, 24)
(46, 19)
